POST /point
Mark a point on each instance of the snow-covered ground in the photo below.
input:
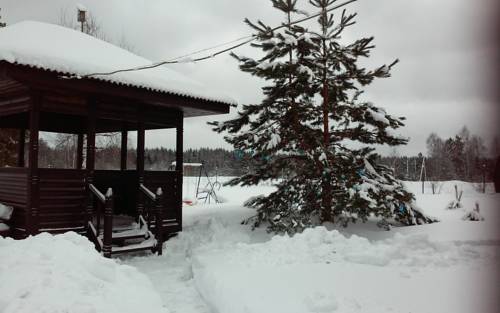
(218, 265)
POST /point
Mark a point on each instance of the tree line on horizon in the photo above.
(461, 157)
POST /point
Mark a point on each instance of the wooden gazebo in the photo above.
(36, 95)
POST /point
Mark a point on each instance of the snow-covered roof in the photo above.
(56, 48)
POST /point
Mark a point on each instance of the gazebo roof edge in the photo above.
(56, 49)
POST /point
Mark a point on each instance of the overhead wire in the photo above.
(184, 58)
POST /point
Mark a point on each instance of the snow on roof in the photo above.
(56, 48)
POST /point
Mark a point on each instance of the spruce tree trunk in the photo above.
(326, 188)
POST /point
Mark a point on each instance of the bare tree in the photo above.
(65, 144)
(92, 27)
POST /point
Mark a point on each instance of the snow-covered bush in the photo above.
(456, 204)
(473, 215)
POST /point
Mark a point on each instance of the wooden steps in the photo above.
(127, 239)
(148, 244)
(131, 240)
(130, 234)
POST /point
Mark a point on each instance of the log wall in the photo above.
(13, 97)
(62, 200)
(14, 192)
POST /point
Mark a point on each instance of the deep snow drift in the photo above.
(64, 273)
(323, 271)
(217, 265)
(449, 266)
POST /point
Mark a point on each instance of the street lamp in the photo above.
(82, 15)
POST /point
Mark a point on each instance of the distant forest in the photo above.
(462, 157)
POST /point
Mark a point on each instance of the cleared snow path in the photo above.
(206, 227)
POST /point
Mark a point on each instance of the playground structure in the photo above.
(208, 192)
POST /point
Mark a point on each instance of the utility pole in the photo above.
(423, 174)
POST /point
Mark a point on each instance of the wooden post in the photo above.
(140, 163)
(179, 161)
(108, 224)
(79, 152)
(34, 179)
(423, 174)
(90, 166)
(159, 220)
(20, 147)
(123, 151)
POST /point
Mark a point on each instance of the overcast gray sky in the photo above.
(445, 79)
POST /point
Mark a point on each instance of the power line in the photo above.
(212, 47)
(182, 59)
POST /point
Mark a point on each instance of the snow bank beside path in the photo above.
(348, 288)
(318, 245)
(64, 273)
(323, 271)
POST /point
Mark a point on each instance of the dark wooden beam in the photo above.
(20, 147)
(123, 150)
(141, 134)
(32, 211)
(90, 158)
(91, 125)
(51, 81)
(179, 153)
(179, 160)
(79, 152)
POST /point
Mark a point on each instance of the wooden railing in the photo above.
(104, 203)
(157, 212)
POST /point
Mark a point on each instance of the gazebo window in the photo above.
(57, 150)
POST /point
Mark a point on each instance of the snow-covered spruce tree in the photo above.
(306, 124)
